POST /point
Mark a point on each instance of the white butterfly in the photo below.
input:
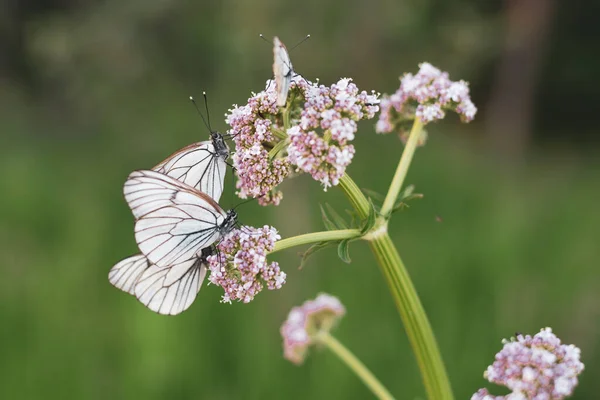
(282, 71)
(176, 221)
(201, 165)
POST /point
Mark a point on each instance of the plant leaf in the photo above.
(407, 192)
(353, 217)
(373, 194)
(371, 219)
(400, 206)
(337, 219)
(312, 250)
(343, 251)
(406, 196)
(330, 226)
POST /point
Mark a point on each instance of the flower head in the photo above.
(241, 268)
(313, 136)
(319, 144)
(537, 368)
(426, 95)
(305, 322)
(258, 175)
(257, 128)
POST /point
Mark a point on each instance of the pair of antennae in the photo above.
(199, 112)
(291, 48)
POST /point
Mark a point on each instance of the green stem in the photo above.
(398, 180)
(414, 318)
(278, 133)
(277, 148)
(316, 237)
(355, 195)
(286, 119)
(355, 365)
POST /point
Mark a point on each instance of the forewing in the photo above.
(197, 165)
(146, 191)
(126, 273)
(175, 221)
(171, 290)
(282, 71)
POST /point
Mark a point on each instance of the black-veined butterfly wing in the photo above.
(174, 221)
(125, 274)
(282, 71)
(198, 165)
(171, 290)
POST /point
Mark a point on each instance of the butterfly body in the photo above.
(229, 223)
(221, 148)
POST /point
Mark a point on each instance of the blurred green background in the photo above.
(505, 239)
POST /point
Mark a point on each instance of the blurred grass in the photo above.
(516, 248)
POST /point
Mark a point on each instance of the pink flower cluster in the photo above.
(257, 175)
(534, 368)
(240, 266)
(305, 322)
(319, 144)
(426, 95)
(323, 121)
(252, 130)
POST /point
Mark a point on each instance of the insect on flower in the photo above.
(174, 220)
(169, 288)
(283, 71)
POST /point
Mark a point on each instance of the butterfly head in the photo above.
(206, 252)
(229, 223)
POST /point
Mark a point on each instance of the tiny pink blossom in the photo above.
(426, 95)
(306, 321)
(240, 266)
(534, 368)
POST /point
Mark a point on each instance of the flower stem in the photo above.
(355, 195)
(286, 118)
(316, 237)
(355, 365)
(277, 148)
(278, 133)
(416, 324)
(398, 180)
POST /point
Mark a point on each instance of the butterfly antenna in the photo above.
(300, 42)
(264, 38)
(244, 202)
(200, 113)
(207, 113)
